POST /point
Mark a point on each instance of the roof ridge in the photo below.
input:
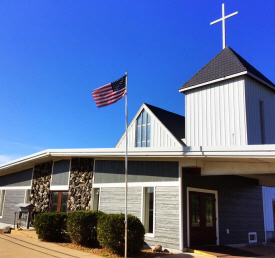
(227, 63)
(149, 105)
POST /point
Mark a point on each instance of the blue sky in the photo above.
(53, 53)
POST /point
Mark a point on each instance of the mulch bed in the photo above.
(145, 253)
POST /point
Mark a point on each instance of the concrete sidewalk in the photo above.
(25, 244)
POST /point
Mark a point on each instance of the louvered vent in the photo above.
(261, 106)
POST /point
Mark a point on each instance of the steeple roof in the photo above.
(227, 64)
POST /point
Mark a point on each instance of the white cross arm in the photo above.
(228, 16)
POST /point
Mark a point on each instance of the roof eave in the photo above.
(227, 78)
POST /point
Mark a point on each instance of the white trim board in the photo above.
(138, 184)
(15, 187)
(191, 189)
(59, 188)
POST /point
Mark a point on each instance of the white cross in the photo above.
(223, 23)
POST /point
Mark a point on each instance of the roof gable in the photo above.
(226, 63)
(172, 124)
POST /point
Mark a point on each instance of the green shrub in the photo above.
(82, 227)
(111, 231)
(51, 226)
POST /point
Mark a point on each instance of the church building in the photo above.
(192, 181)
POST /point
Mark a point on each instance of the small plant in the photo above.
(82, 227)
(51, 226)
(111, 232)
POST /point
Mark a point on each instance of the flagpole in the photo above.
(126, 161)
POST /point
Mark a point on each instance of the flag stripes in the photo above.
(110, 93)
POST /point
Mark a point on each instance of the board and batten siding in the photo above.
(268, 198)
(254, 94)
(160, 135)
(112, 200)
(12, 198)
(215, 114)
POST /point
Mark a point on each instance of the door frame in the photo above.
(191, 189)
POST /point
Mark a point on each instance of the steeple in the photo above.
(229, 102)
(227, 64)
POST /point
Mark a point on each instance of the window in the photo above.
(2, 199)
(60, 175)
(96, 195)
(27, 195)
(261, 107)
(143, 130)
(149, 204)
(59, 201)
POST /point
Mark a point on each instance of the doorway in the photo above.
(202, 217)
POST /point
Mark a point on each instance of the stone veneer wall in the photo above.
(40, 192)
(80, 187)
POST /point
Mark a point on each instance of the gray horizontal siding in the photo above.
(12, 198)
(240, 206)
(21, 178)
(166, 218)
(112, 171)
(112, 200)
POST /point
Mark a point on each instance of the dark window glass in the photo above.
(195, 210)
(209, 211)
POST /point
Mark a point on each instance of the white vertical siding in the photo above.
(160, 136)
(216, 115)
(254, 93)
(268, 197)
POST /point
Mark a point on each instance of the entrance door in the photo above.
(202, 219)
(59, 201)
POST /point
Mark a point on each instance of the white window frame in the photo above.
(2, 201)
(61, 187)
(146, 125)
(143, 210)
(27, 194)
(94, 190)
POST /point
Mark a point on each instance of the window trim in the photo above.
(146, 129)
(61, 187)
(27, 195)
(2, 202)
(93, 198)
(143, 210)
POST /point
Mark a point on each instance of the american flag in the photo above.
(110, 93)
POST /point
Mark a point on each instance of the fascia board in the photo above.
(168, 131)
(213, 81)
(260, 80)
(25, 159)
(249, 151)
(131, 123)
(227, 78)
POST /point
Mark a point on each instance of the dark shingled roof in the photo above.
(173, 122)
(226, 63)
